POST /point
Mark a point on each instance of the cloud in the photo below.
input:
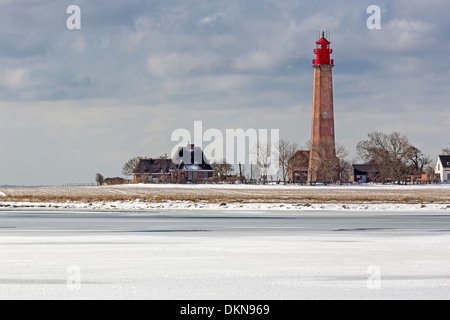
(404, 35)
(255, 61)
(15, 78)
(72, 155)
(96, 132)
(180, 63)
(79, 45)
(212, 18)
(140, 69)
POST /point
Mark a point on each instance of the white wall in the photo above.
(443, 172)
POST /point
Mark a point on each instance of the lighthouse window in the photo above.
(330, 84)
(324, 115)
(332, 131)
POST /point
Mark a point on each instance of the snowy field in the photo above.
(224, 254)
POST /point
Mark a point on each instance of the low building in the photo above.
(191, 165)
(153, 170)
(429, 178)
(365, 173)
(443, 168)
(298, 166)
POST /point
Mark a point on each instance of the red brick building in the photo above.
(191, 165)
(188, 164)
(298, 166)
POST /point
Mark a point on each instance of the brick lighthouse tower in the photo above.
(323, 146)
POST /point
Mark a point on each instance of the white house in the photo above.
(443, 168)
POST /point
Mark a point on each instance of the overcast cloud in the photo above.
(73, 103)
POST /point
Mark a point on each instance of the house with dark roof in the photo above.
(443, 168)
(191, 165)
(298, 166)
(365, 173)
(153, 170)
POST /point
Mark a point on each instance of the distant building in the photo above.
(430, 178)
(153, 170)
(298, 166)
(191, 165)
(365, 173)
(443, 168)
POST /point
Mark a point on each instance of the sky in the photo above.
(77, 102)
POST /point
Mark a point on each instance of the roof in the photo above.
(323, 40)
(367, 167)
(445, 160)
(194, 167)
(149, 166)
(191, 159)
(300, 159)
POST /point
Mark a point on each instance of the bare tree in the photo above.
(285, 150)
(165, 167)
(345, 170)
(222, 168)
(99, 179)
(264, 160)
(253, 173)
(129, 167)
(446, 151)
(392, 153)
(419, 161)
(343, 167)
(325, 161)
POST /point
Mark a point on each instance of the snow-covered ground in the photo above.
(190, 206)
(224, 255)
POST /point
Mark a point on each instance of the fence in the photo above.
(89, 184)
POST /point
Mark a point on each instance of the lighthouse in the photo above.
(322, 160)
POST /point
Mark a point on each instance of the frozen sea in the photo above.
(226, 254)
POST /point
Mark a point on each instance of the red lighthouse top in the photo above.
(323, 51)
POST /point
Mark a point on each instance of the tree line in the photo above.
(394, 156)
